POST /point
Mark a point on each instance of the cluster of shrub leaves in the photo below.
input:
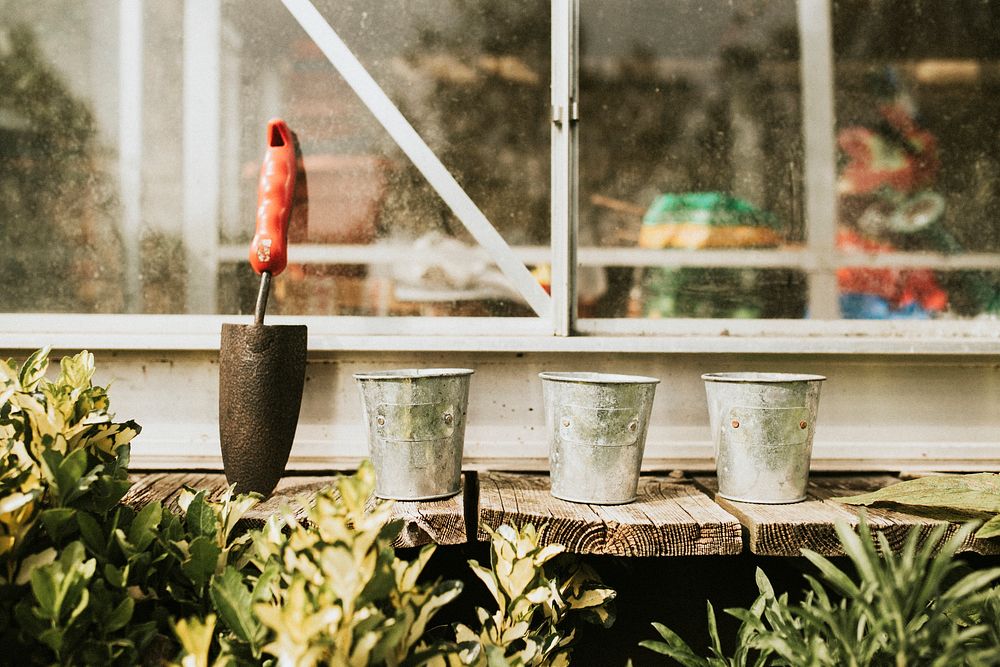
(85, 579)
(920, 606)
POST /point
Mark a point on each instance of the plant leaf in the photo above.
(120, 616)
(979, 492)
(989, 529)
(233, 602)
(33, 369)
(202, 560)
(30, 563)
(142, 531)
(201, 518)
(91, 533)
(58, 522)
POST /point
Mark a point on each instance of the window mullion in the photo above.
(202, 122)
(820, 156)
(565, 163)
(130, 126)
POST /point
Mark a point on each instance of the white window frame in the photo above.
(905, 350)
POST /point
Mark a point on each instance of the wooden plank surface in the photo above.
(437, 521)
(784, 530)
(670, 518)
(441, 521)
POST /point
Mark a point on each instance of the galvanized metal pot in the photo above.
(416, 430)
(597, 427)
(762, 428)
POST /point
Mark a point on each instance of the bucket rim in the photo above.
(588, 377)
(755, 377)
(413, 373)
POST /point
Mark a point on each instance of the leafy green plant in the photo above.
(910, 608)
(83, 578)
(950, 497)
(330, 590)
(536, 593)
(745, 654)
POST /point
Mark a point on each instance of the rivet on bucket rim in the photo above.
(596, 378)
(736, 423)
(755, 377)
(565, 422)
(633, 426)
(380, 420)
(803, 424)
(448, 418)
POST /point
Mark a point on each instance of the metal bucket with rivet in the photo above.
(416, 430)
(762, 429)
(596, 426)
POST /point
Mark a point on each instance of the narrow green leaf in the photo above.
(713, 629)
(972, 583)
(832, 574)
(763, 583)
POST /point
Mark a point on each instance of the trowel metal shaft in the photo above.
(265, 288)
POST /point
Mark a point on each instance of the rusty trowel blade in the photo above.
(261, 374)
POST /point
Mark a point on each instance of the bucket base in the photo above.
(595, 502)
(762, 502)
(413, 499)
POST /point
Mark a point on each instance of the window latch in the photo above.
(559, 113)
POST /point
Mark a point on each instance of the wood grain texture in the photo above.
(670, 518)
(784, 530)
(441, 521)
(432, 521)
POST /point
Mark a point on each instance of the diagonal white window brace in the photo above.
(373, 97)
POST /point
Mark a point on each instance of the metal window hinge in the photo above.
(559, 113)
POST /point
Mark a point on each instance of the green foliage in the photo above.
(910, 608)
(949, 497)
(83, 578)
(536, 595)
(331, 590)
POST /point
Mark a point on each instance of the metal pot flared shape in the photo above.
(415, 420)
(762, 429)
(596, 425)
(262, 369)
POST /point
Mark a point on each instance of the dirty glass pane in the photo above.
(690, 141)
(472, 78)
(919, 170)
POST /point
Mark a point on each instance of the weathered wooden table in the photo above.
(674, 515)
(441, 521)
(671, 517)
(784, 530)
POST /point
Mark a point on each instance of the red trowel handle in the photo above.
(269, 248)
